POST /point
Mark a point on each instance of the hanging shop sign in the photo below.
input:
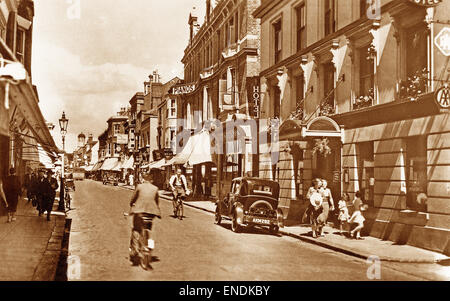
(185, 89)
(442, 41)
(427, 3)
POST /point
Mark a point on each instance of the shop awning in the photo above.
(201, 152)
(109, 164)
(156, 165)
(118, 166)
(97, 166)
(44, 158)
(197, 151)
(129, 164)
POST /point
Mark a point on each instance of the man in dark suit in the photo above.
(50, 186)
(40, 189)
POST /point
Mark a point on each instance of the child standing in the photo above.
(357, 216)
(343, 216)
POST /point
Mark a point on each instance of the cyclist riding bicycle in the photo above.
(179, 187)
(144, 204)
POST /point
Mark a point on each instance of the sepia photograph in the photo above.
(224, 147)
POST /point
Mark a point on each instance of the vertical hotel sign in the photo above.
(254, 96)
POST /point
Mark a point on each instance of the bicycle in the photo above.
(146, 242)
(179, 210)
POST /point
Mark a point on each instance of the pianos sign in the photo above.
(185, 89)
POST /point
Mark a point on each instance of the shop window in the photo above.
(366, 172)
(330, 19)
(301, 27)
(277, 41)
(416, 172)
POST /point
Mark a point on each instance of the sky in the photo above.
(91, 56)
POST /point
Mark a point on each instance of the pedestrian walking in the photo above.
(327, 206)
(33, 188)
(343, 216)
(40, 189)
(315, 198)
(51, 185)
(357, 217)
(13, 190)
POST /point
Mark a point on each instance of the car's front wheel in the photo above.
(274, 229)
(235, 227)
(218, 216)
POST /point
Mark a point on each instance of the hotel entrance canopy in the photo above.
(296, 130)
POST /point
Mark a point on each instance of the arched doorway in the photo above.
(324, 149)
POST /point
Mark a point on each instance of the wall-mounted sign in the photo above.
(442, 41)
(121, 138)
(253, 96)
(442, 97)
(185, 89)
(426, 3)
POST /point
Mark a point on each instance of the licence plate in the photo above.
(261, 221)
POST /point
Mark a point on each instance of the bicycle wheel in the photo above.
(145, 252)
(180, 210)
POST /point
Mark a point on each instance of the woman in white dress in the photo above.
(315, 198)
(327, 205)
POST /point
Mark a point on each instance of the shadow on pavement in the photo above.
(251, 230)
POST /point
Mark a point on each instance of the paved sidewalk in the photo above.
(30, 247)
(370, 246)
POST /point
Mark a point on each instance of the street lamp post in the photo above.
(63, 122)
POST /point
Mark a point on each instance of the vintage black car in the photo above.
(251, 202)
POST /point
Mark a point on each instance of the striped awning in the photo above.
(109, 164)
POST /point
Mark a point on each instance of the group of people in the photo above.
(321, 203)
(40, 189)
